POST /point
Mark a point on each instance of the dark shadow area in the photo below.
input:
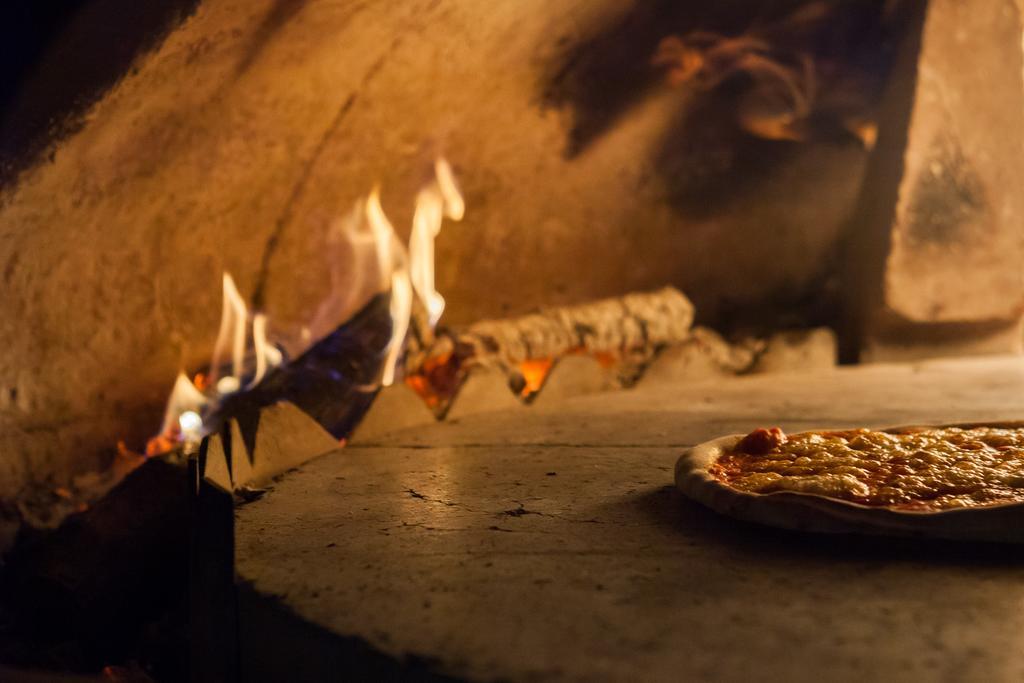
(58, 56)
(708, 164)
(106, 586)
(604, 75)
(867, 233)
(727, 138)
(814, 305)
(278, 645)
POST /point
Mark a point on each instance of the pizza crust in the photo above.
(812, 512)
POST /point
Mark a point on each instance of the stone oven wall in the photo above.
(234, 144)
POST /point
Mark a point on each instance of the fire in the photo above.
(437, 200)
(267, 355)
(437, 380)
(401, 309)
(408, 274)
(232, 330)
(185, 398)
(534, 372)
(191, 401)
(391, 258)
(414, 272)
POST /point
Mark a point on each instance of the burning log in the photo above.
(634, 321)
(627, 329)
(334, 382)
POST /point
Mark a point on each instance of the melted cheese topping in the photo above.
(930, 469)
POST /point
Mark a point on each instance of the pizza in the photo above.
(956, 481)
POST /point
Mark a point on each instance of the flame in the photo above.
(388, 248)
(391, 263)
(233, 329)
(435, 201)
(266, 354)
(455, 206)
(191, 401)
(406, 274)
(184, 398)
(191, 425)
(413, 272)
(233, 317)
(401, 309)
(534, 373)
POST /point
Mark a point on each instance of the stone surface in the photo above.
(940, 224)
(552, 546)
(49, 454)
(243, 138)
(898, 342)
(282, 437)
(575, 376)
(395, 407)
(485, 389)
(798, 350)
(957, 242)
(285, 437)
(875, 395)
(706, 354)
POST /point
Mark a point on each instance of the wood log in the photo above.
(639, 321)
(629, 329)
(334, 382)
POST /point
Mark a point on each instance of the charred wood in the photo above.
(334, 382)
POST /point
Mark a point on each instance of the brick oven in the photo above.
(357, 341)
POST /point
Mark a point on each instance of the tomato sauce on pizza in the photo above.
(927, 469)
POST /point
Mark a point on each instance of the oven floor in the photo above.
(550, 545)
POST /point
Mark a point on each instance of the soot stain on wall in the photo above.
(948, 198)
(706, 160)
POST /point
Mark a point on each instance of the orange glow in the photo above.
(437, 380)
(605, 359)
(161, 443)
(421, 385)
(534, 372)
